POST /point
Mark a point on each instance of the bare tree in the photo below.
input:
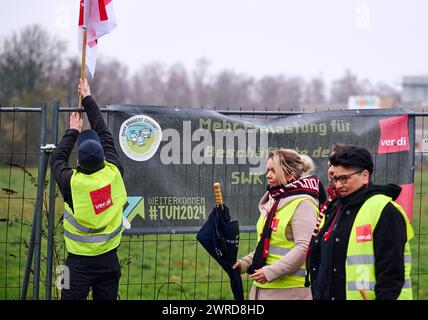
(69, 81)
(148, 85)
(315, 91)
(290, 96)
(279, 92)
(346, 86)
(110, 84)
(232, 91)
(178, 89)
(202, 89)
(30, 67)
(268, 92)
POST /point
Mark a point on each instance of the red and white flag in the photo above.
(99, 19)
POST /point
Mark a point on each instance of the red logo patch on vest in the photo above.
(101, 199)
(364, 233)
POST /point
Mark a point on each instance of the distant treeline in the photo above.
(34, 68)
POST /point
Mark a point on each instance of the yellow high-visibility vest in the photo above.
(94, 226)
(360, 269)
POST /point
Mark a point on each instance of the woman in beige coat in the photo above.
(288, 214)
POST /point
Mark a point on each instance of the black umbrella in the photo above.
(220, 237)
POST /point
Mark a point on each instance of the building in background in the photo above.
(415, 92)
(415, 97)
(363, 102)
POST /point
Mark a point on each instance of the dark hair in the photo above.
(336, 147)
(350, 156)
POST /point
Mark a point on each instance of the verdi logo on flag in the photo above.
(97, 18)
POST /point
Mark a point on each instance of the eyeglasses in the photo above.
(343, 178)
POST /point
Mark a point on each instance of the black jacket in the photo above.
(326, 260)
(59, 160)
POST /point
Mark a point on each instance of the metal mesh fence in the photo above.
(154, 266)
(18, 151)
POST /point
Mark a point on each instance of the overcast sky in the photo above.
(381, 40)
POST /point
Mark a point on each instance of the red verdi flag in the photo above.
(98, 17)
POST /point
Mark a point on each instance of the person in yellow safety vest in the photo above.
(364, 242)
(288, 213)
(94, 195)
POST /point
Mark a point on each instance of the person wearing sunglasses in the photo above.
(362, 250)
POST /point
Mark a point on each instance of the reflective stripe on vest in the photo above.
(369, 259)
(298, 273)
(282, 252)
(279, 246)
(279, 250)
(69, 217)
(360, 260)
(370, 285)
(93, 238)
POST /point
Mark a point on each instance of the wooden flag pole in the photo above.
(364, 294)
(82, 69)
(85, 36)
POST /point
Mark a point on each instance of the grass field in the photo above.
(157, 266)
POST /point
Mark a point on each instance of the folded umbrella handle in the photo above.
(218, 196)
(363, 294)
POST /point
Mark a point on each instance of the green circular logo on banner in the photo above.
(140, 137)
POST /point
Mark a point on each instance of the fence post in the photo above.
(36, 221)
(24, 289)
(38, 212)
(51, 215)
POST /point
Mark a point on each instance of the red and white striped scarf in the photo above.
(309, 185)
